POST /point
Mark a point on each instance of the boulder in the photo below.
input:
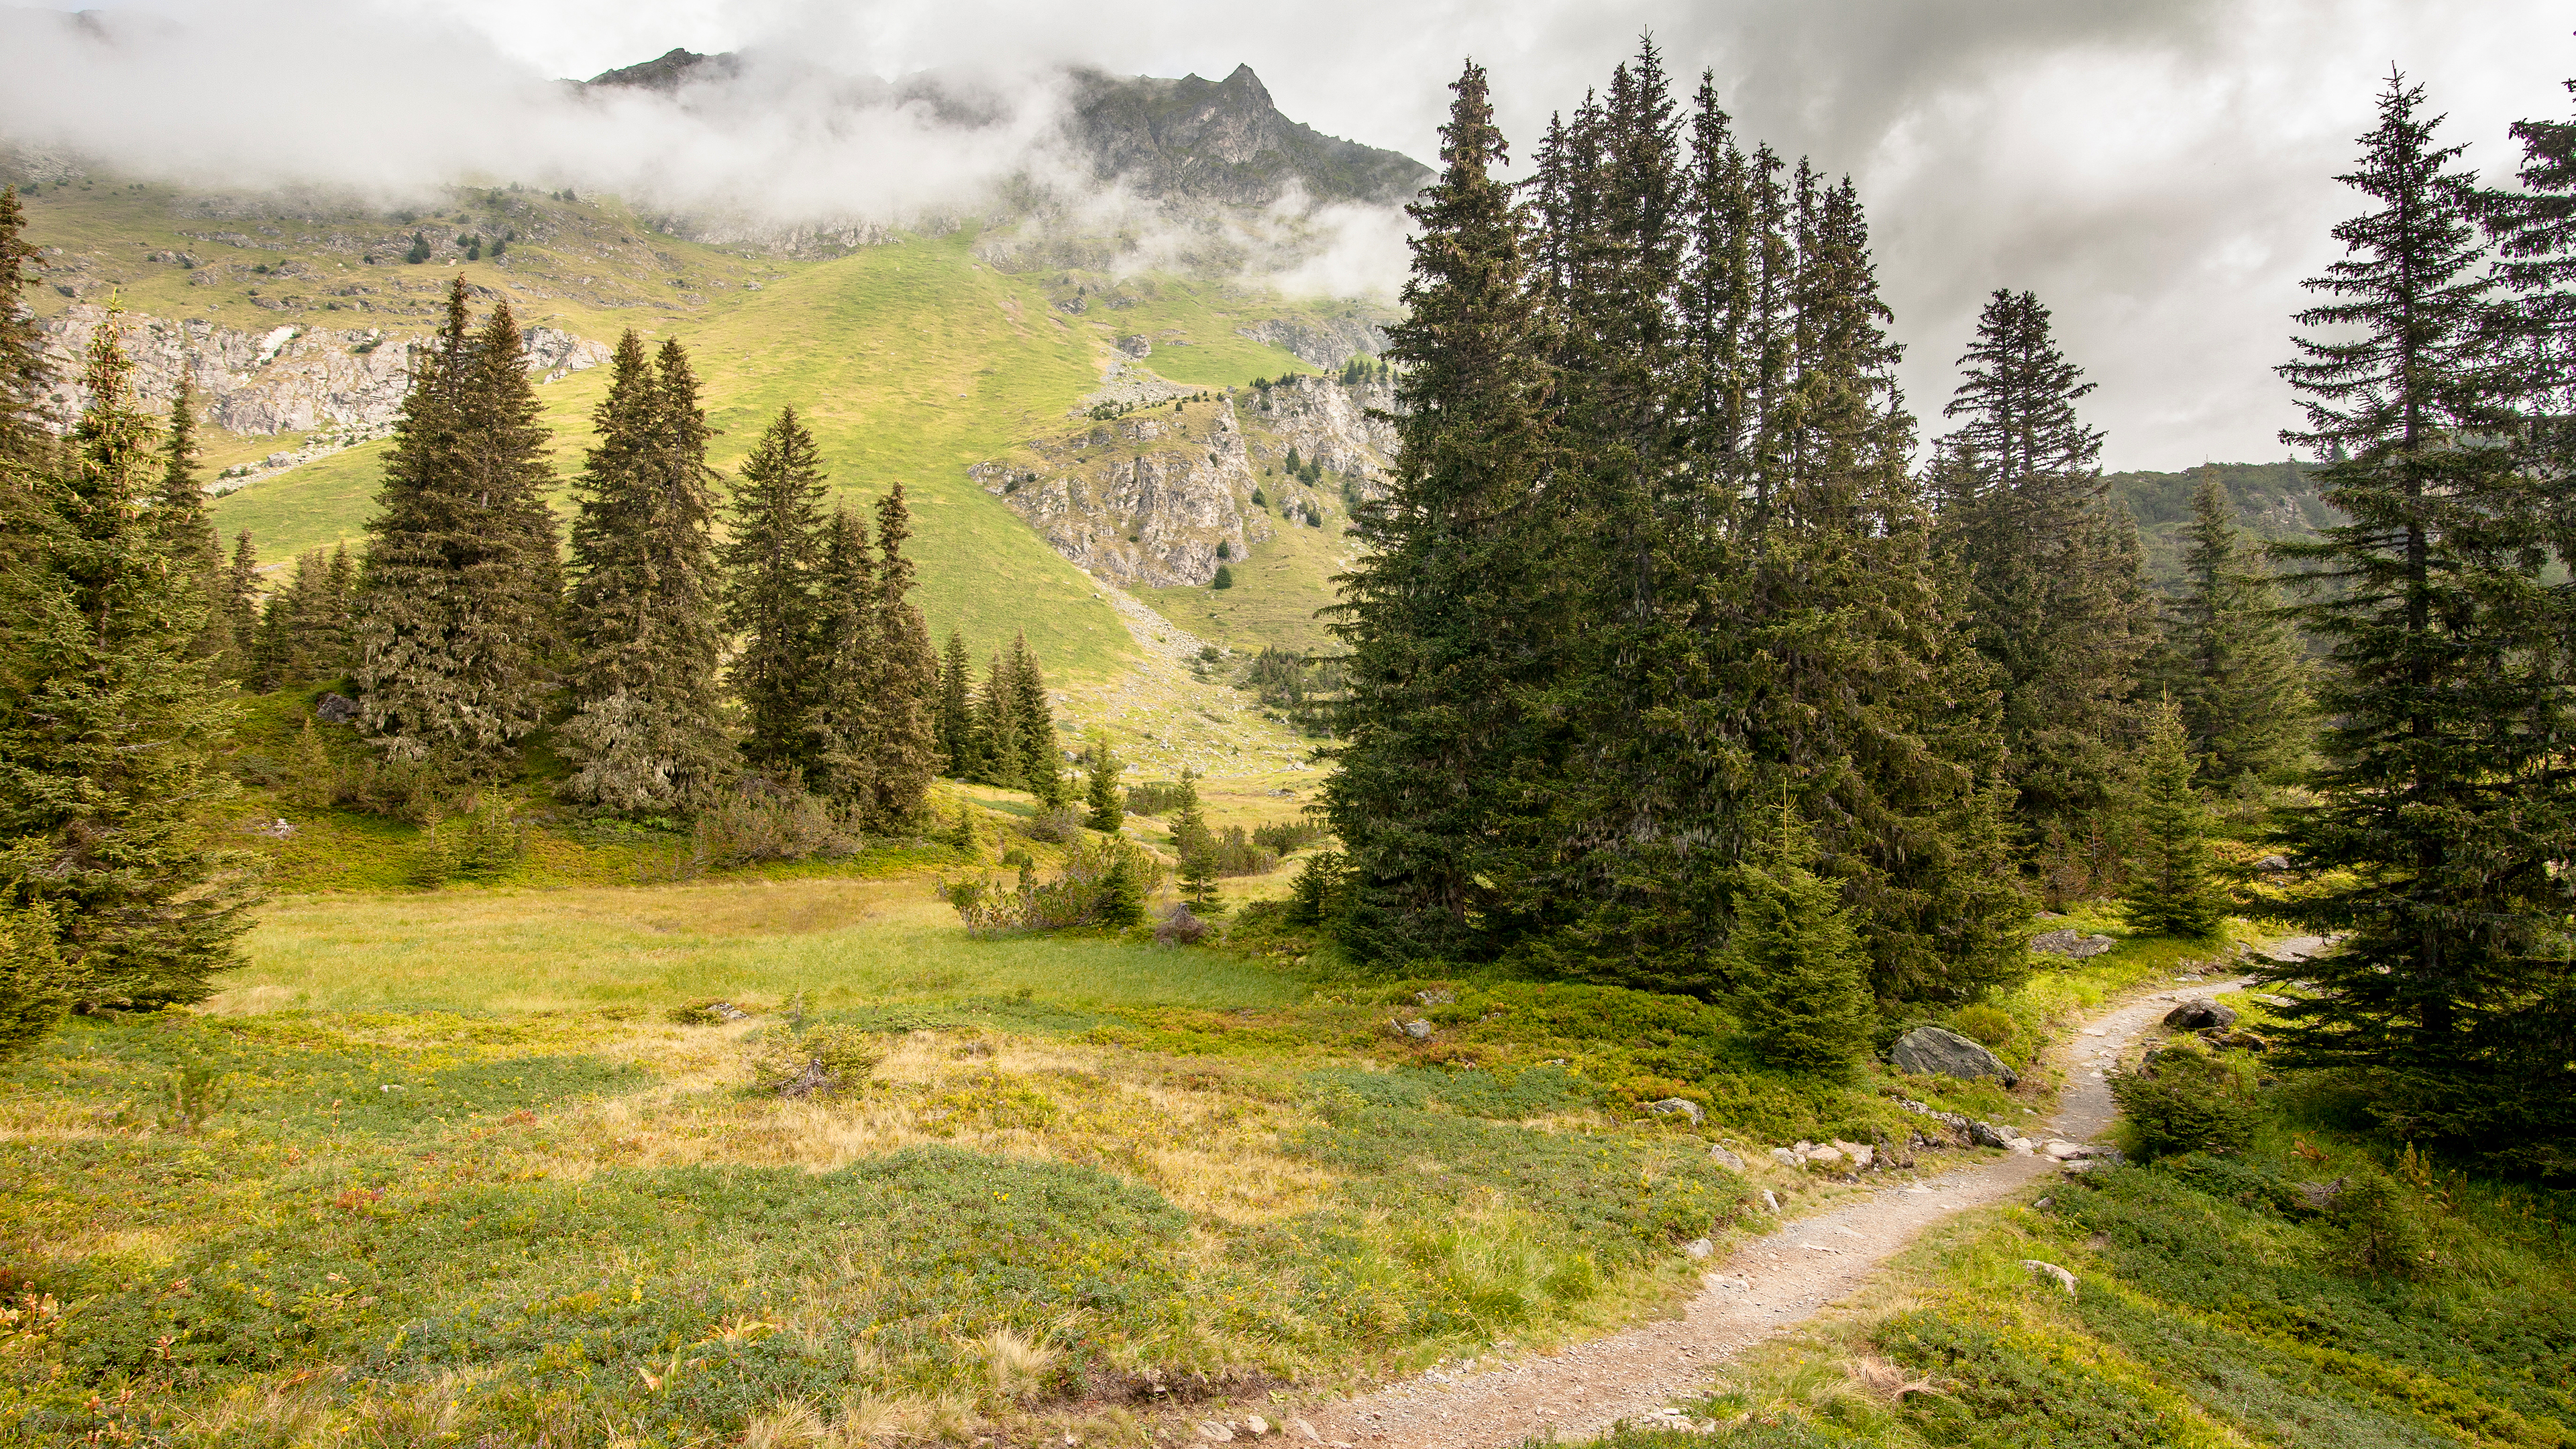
(1770, 1201)
(2050, 1272)
(1683, 1106)
(1726, 1159)
(1418, 1030)
(1987, 1134)
(2065, 942)
(1939, 1051)
(1699, 1247)
(1211, 1430)
(335, 709)
(1135, 346)
(1857, 1152)
(1786, 1157)
(1825, 1155)
(2198, 1013)
(2273, 863)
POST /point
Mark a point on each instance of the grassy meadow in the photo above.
(466, 1165)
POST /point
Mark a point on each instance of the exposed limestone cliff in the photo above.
(1323, 341)
(288, 379)
(1147, 499)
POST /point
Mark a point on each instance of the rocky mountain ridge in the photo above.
(287, 379)
(1187, 140)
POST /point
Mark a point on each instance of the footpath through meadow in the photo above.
(1770, 1284)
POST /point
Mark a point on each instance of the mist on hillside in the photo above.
(772, 149)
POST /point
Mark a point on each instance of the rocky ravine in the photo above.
(1145, 499)
(288, 379)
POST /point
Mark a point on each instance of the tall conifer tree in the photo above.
(1041, 759)
(24, 443)
(997, 730)
(2170, 889)
(647, 728)
(773, 572)
(1433, 612)
(2447, 803)
(846, 708)
(906, 743)
(108, 727)
(457, 612)
(955, 715)
(2056, 602)
(2236, 672)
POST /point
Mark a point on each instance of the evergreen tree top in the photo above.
(2414, 291)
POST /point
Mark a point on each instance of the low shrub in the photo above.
(2379, 1228)
(1991, 1025)
(1055, 825)
(743, 827)
(1181, 927)
(1104, 883)
(1154, 797)
(482, 842)
(1287, 837)
(826, 1058)
(1234, 853)
(2186, 1100)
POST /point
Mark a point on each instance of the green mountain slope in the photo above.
(2273, 501)
(911, 360)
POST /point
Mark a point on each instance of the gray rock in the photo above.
(1682, 1105)
(1210, 1429)
(1987, 1134)
(2200, 1012)
(1770, 1201)
(1786, 1157)
(1135, 346)
(1437, 996)
(2276, 1002)
(2273, 863)
(1726, 1159)
(1418, 1030)
(335, 709)
(2065, 942)
(1699, 1247)
(2050, 1272)
(1939, 1051)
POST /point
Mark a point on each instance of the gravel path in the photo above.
(1769, 1284)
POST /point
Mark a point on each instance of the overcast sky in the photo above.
(2159, 171)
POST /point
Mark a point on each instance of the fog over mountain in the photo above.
(2160, 172)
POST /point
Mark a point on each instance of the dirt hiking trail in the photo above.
(1769, 1284)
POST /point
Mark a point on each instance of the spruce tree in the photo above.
(24, 443)
(2446, 806)
(1041, 759)
(954, 718)
(905, 743)
(647, 726)
(2170, 891)
(1106, 801)
(1436, 612)
(773, 567)
(2236, 672)
(195, 551)
(846, 701)
(2056, 602)
(1189, 823)
(997, 730)
(109, 728)
(241, 608)
(36, 986)
(457, 598)
(1796, 961)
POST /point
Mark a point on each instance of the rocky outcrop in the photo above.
(2067, 942)
(1143, 499)
(287, 379)
(1148, 497)
(2199, 1013)
(1322, 341)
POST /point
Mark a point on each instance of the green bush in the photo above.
(2186, 1100)
(2379, 1228)
(1980, 1022)
(830, 1057)
(741, 827)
